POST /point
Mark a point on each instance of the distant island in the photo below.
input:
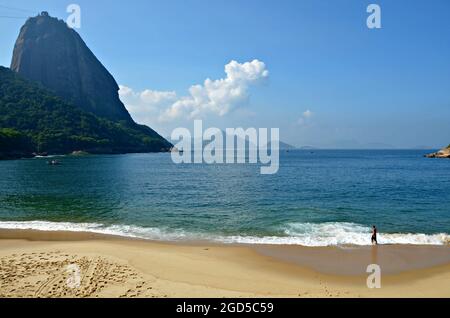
(58, 98)
(282, 146)
(443, 153)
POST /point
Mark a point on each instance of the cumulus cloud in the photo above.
(307, 114)
(146, 100)
(217, 97)
(305, 117)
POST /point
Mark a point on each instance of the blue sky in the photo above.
(330, 81)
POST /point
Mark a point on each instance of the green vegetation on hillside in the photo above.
(14, 144)
(32, 119)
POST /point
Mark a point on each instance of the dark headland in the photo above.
(58, 98)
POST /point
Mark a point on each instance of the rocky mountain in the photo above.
(60, 98)
(49, 52)
(33, 119)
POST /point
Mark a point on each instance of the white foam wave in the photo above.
(118, 230)
(305, 234)
(340, 233)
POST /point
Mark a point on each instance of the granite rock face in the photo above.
(49, 52)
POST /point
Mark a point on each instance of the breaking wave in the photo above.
(305, 234)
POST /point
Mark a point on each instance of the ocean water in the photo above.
(318, 198)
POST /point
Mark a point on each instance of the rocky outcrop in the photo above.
(34, 121)
(443, 153)
(49, 52)
(64, 99)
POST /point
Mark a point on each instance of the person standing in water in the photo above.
(374, 235)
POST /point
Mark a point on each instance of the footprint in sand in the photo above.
(44, 275)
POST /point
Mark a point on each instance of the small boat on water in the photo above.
(40, 154)
(53, 162)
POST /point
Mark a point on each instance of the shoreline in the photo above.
(349, 260)
(355, 236)
(117, 266)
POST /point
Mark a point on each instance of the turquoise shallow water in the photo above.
(322, 197)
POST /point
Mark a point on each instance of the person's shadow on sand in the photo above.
(374, 254)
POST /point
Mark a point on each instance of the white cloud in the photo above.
(305, 118)
(217, 97)
(145, 100)
(157, 97)
(308, 114)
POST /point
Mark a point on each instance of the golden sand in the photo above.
(35, 264)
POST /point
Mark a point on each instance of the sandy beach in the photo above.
(35, 264)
